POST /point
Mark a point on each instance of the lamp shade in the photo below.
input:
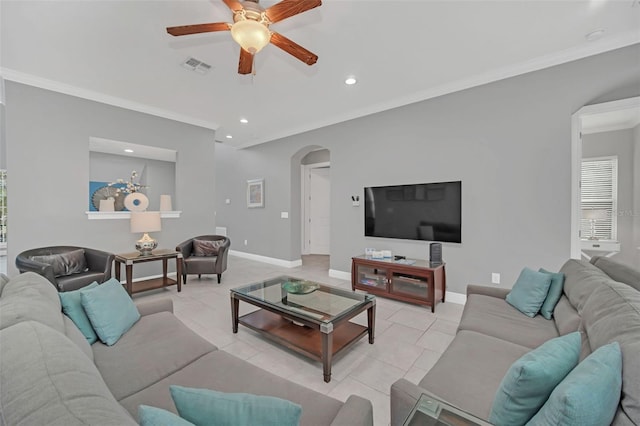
(594, 214)
(251, 35)
(145, 222)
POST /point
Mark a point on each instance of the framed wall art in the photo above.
(255, 193)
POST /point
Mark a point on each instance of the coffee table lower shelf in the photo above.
(302, 339)
(152, 284)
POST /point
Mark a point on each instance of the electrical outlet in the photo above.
(245, 242)
(495, 278)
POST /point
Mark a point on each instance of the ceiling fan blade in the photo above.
(246, 62)
(233, 5)
(294, 49)
(199, 28)
(288, 8)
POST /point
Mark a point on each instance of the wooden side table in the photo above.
(129, 259)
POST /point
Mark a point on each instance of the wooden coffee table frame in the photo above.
(318, 340)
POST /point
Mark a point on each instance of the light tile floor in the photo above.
(409, 338)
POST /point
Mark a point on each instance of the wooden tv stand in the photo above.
(419, 282)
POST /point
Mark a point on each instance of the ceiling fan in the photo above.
(250, 29)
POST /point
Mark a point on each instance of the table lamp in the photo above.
(594, 215)
(145, 222)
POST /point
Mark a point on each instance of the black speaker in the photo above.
(435, 253)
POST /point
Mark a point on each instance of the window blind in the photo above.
(599, 191)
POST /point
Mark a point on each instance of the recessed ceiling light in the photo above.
(244, 120)
(595, 34)
(229, 137)
(350, 81)
(128, 150)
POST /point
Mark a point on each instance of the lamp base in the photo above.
(146, 245)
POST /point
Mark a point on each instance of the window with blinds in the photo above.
(599, 198)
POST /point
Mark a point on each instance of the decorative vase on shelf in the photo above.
(136, 202)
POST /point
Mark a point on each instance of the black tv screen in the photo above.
(425, 211)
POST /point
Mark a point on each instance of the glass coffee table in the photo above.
(307, 317)
(430, 411)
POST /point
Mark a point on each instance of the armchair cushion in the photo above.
(206, 247)
(71, 262)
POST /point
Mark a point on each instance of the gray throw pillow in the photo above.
(206, 247)
(71, 262)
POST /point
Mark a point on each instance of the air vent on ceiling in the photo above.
(196, 65)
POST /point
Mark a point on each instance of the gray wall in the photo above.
(319, 156)
(508, 141)
(636, 193)
(159, 176)
(47, 137)
(619, 143)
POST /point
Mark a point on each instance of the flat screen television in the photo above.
(425, 211)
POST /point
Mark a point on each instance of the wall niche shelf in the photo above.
(127, 215)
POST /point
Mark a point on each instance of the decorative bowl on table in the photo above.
(300, 287)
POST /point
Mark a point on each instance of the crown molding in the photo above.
(56, 86)
(536, 64)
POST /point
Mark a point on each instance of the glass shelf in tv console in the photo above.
(408, 280)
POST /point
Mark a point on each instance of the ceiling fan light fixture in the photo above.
(251, 35)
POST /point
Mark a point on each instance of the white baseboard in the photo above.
(457, 298)
(334, 273)
(265, 259)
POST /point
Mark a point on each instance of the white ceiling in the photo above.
(401, 52)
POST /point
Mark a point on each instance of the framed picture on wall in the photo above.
(255, 193)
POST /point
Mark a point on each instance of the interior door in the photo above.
(319, 208)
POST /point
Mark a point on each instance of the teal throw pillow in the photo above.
(555, 292)
(589, 395)
(529, 291)
(152, 416)
(110, 310)
(205, 407)
(531, 379)
(72, 307)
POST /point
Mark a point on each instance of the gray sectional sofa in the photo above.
(600, 299)
(50, 375)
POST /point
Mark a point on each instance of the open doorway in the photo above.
(316, 206)
(606, 181)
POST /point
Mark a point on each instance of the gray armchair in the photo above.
(206, 254)
(67, 267)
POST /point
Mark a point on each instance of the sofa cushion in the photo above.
(589, 395)
(554, 294)
(531, 379)
(529, 292)
(3, 280)
(71, 302)
(566, 317)
(153, 416)
(618, 271)
(67, 263)
(126, 366)
(72, 332)
(30, 296)
(470, 371)
(199, 406)
(612, 314)
(580, 279)
(495, 317)
(225, 373)
(46, 379)
(110, 310)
